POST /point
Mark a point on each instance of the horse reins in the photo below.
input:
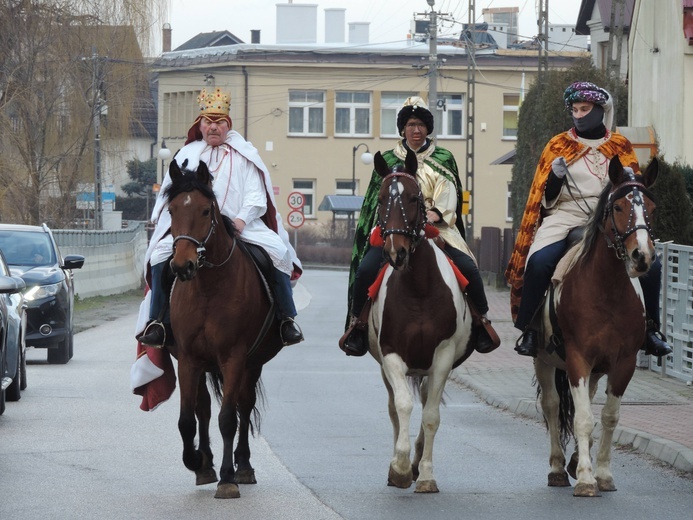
(413, 230)
(201, 246)
(638, 189)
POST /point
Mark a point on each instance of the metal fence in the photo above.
(677, 309)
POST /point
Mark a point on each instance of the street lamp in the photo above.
(164, 154)
(366, 158)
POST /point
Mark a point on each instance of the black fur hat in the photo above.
(414, 107)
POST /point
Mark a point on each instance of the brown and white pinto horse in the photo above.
(219, 314)
(601, 317)
(419, 323)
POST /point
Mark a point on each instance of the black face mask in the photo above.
(592, 120)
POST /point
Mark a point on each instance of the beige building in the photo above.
(307, 108)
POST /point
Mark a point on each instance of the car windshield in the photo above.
(27, 248)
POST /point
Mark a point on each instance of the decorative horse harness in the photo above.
(413, 230)
(201, 246)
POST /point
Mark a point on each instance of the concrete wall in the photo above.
(114, 260)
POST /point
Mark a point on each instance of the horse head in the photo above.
(194, 217)
(629, 215)
(401, 211)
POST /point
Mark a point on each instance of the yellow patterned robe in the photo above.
(566, 145)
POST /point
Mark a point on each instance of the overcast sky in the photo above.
(389, 19)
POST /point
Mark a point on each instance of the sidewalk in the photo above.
(656, 412)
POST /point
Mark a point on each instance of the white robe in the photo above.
(240, 184)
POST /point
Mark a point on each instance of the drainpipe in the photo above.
(245, 103)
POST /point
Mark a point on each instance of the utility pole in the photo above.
(96, 121)
(467, 195)
(543, 38)
(433, 65)
(613, 64)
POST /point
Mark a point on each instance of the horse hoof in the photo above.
(207, 476)
(606, 484)
(227, 490)
(245, 476)
(586, 490)
(559, 479)
(398, 480)
(426, 486)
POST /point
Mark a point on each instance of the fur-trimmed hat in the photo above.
(414, 106)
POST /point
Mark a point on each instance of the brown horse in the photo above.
(601, 317)
(218, 308)
(419, 323)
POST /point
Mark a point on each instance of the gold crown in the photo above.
(214, 103)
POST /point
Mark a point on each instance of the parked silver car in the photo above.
(12, 333)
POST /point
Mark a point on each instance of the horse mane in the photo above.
(593, 228)
(188, 182)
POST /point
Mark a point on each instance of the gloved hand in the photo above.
(559, 167)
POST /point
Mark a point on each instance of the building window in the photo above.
(451, 123)
(353, 114)
(177, 110)
(509, 204)
(307, 188)
(511, 107)
(306, 112)
(390, 105)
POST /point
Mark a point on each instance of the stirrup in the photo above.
(290, 341)
(152, 330)
(492, 341)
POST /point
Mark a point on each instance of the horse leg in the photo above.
(573, 463)
(430, 421)
(203, 410)
(419, 443)
(550, 402)
(188, 378)
(586, 485)
(394, 370)
(228, 424)
(245, 474)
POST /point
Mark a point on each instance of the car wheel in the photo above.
(13, 392)
(2, 402)
(60, 354)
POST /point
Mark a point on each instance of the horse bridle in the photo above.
(414, 230)
(638, 189)
(201, 246)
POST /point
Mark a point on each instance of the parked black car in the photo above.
(32, 254)
(12, 360)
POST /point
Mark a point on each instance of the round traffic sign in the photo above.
(296, 218)
(296, 200)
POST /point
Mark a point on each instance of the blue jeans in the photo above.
(283, 295)
(540, 269)
(158, 299)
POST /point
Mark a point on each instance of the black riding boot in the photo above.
(655, 342)
(528, 343)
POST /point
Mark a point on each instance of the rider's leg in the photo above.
(286, 309)
(485, 342)
(355, 340)
(158, 328)
(651, 283)
(537, 278)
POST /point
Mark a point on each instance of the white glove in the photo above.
(559, 167)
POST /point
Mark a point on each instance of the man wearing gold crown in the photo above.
(244, 192)
(441, 187)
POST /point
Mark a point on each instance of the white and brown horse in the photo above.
(601, 317)
(419, 324)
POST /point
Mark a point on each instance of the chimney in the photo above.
(358, 32)
(297, 23)
(166, 38)
(255, 36)
(335, 19)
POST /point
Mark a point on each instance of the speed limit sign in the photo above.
(296, 200)
(296, 218)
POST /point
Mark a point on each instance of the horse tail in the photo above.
(216, 380)
(566, 407)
